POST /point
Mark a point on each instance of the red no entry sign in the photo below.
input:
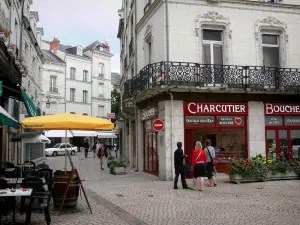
(158, 125)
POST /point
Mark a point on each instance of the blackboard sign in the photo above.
(230, 121)
(199, 120)
(273, 121)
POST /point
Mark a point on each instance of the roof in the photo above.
(93, 46)
(50, 57)
(115, 79)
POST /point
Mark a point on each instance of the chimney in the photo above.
(54, 45)
(107, 46)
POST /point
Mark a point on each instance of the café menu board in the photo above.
(200, 120)
(230, 120)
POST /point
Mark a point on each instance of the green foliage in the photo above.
(115, 103)
(295, 166)
(116, 163)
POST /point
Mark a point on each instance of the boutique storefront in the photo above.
(225, 124)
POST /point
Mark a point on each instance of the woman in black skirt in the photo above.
(210, 155)
(199, 165)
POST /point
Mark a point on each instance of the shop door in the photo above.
(188, 149)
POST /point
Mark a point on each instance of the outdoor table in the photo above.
(20, 192)
(15, 181)
(10, 169)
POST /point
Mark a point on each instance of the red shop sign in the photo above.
(228, 108)
(281, 109)
(158, 125)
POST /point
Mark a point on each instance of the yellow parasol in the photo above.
(66, 122)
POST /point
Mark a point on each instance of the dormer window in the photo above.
(79, 51)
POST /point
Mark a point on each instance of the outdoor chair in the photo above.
(5, 202)
(2, 172)
(39, 202)
(42, 166)
(31, 173)
(9, 165)
(48, 175)
(13, 174)
(29, 168)
(36, 184)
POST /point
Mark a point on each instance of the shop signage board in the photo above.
(111, 115)
(230, 121)
(199, 120)
(149, 113)
(158, 125)
(281, 109)
(213, 108)
(273, 121)
(292, 120)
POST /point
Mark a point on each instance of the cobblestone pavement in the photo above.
(143, 199)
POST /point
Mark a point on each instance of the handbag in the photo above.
(212, 162)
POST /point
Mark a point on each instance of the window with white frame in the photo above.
(101, 89)
(101, 70)
(85, 96)
(271, 50)
(53, 87)
(212, 46)
(100, 110)
(72, 95)
(73, 73)
(29, 85)
(85, 75)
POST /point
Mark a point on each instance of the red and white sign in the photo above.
(281, 109)
(111, 115)
(228, 108)
(158, 125)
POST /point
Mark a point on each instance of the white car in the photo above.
(59, 149)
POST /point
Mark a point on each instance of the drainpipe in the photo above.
(167, 31)
(21, 29)
(172, 133)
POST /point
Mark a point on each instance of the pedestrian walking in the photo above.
(116, 148)
(199, 165)
(86, 146)
(178, 163)
(94, 148)
(98, 146)
(210, 156)
(101, 154)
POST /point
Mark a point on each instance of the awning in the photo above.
(58, 133)
(7, 119)
(31, 137)
(83, 133)
(106, 134)
(31, 109)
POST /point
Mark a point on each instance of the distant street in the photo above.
(144, 199)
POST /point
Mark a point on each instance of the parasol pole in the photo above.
(66, 134)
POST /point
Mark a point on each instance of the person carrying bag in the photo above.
(210, 167)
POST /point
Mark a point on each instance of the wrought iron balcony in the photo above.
(203, 76)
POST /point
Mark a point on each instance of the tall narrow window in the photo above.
(100, 111)
(149, 52)
(212, 47)
(270, 46)
(53, 87)
(73, 73)
(101, 89)
(72, 95)
(85, 96)
(85, 75)
(29, 85)
(101, 70)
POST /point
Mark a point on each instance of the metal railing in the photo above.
(53, 89)
(253, 78)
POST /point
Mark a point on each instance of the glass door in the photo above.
(295, 145)
(283, 144)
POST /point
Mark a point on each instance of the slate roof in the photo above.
(93, 46)
(50, 57)
(115, 79)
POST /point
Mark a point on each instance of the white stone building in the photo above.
(222, 70)
(76, 79)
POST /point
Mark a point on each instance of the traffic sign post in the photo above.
(158, 125)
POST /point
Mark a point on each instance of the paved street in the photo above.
(143, 199)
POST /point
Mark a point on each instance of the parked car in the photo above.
(59, 149)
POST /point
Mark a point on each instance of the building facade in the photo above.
(223, 70)
(76, 79)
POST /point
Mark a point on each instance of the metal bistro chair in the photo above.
(29, 168)
(31, 173)
(48, 175)
(5, 203)
(42, 166)
(2, 172)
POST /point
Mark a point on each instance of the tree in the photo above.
(115, 104)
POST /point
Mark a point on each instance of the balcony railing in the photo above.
(247, 78)
(53, 89)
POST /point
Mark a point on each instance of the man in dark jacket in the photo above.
(178, 163)
(86, 146)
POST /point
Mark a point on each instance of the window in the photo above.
(79, 51)
(53, 87)
(100, 111)
(149, 56)
(270, 47)
(101, 89)
(101, 67)
(212, 47)
(72, 113)
(85, 75)
(85, 96)
(73, 73)
(28, 85)
(72, 95)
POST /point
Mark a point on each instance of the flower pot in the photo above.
(236, 178)
(290, 175)
(118, 170)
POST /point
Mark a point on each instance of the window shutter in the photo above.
(218, 55)
(206, 54)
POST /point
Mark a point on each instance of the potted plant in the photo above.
(117, 167)
(281, 170)
(241, 170)
(260, 167)
(296, 168)
(109, 160)
(4, 34)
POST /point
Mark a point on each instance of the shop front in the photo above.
(282, 124)
(151, 162)
(225, 124)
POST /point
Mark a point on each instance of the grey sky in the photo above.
(81, 22)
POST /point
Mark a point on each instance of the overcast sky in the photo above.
(81, 22)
